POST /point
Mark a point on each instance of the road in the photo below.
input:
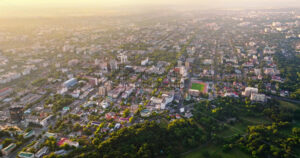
(285, 99)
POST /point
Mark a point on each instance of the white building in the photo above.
(249, 90)
(258, 97)
(113, 65)
(145, 62)
(123, 58)
(104, 104)
(45, 121)
(41, 152)
(166, 100)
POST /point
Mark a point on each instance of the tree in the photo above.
(296, 131)
(131, 119)
(144, 151)
(126, 113)
(77, 127)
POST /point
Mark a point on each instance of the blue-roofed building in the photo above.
(95, 123)
(26, 155)
(29, 134)
(70, 83)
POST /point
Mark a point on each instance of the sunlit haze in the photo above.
(21, 8)
(149, 78)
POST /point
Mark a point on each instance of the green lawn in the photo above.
(241, 127)
(237, 128)
(215, 151)
(256, 120)
(288, 105)
(197, 86)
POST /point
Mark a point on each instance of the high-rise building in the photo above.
(102, 91)
(179, 62)
(113, 65)
(249, 90)
(108, 85)
(16, 113)
(187, 65)
(123, 58)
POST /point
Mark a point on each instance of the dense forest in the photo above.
(271, 130)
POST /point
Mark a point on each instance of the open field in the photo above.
(241, 127)
(256, 120)
(289, 105)
(199, 86)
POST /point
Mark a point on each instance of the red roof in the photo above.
(124, 119)
(62, 141)
(4, 89)
(177, 69)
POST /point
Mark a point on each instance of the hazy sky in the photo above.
(140, 2)
(23, 7)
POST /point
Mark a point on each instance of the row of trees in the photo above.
(146, 140)
(266, 141)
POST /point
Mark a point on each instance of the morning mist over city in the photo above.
(150, 78)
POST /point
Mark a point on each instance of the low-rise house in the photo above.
(41, 152)
(110, 115)
(188, 115)
(124, 119)
(235, 95)
(90, 103)
(277, 79)
(63, 141)
(257, 72)
(5, 91)
(104, 104)
(61, 152)
(145, 113)
(271, 71)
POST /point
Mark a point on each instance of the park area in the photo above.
(199, 86)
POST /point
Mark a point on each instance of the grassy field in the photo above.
(197, 86)
(241, 127)
(237, 128)
(256, 120)
(215, 151)
(288, 105)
